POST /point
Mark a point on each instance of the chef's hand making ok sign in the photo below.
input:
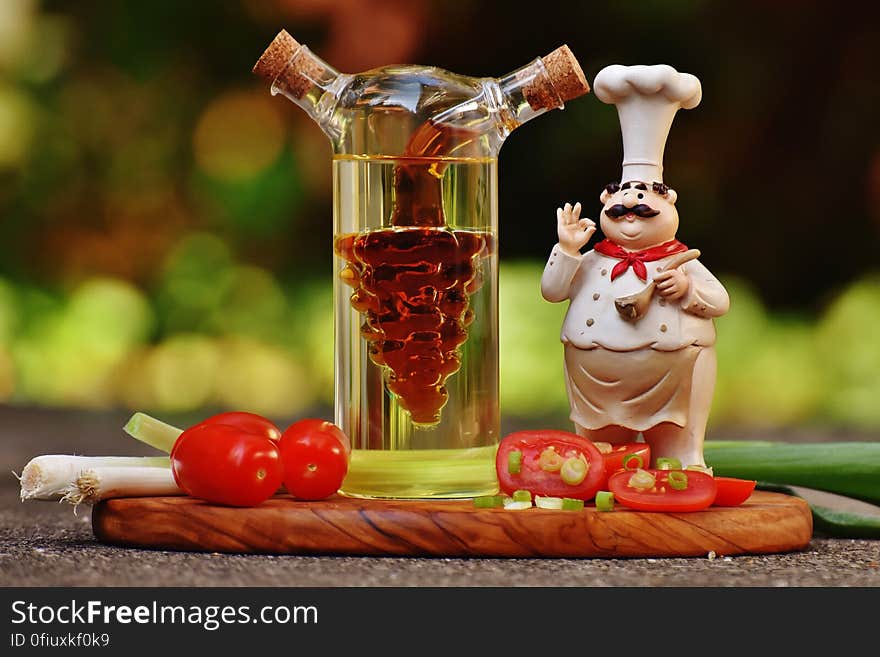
(573, 232)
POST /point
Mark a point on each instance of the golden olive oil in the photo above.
(417, 329)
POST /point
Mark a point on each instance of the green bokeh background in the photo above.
(165, 242)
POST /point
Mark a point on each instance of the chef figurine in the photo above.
(639, 335)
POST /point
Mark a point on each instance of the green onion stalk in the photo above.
(851, 469)
(89, 479)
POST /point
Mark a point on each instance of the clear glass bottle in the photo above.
(415, 215)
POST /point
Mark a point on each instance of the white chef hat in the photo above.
(647, 98)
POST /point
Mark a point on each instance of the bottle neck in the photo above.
(526, 93)
(311, 83)
(504, 104)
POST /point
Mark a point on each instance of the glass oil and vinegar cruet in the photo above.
(415, 220)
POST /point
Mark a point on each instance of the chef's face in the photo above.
(638, 215)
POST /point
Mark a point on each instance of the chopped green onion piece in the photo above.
(522, 496)
(640, 463)
(642, 479)
(677, 480)
(513, 505)
(574, 470)
(514, 462)
(489, 501)
(701, 468)
(548, 502)
(571, 504)
(550, 461)
(604, 501)
(668, 463)
(604, 448)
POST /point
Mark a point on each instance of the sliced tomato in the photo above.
(544, 465)
(698, 494)
(619, 453)
(733, 492)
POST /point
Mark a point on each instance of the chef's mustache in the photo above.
(640, 210)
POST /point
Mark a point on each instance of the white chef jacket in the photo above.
(593, 321)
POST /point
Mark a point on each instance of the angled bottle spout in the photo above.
(300, 75)
(506, 103)
(448, 111)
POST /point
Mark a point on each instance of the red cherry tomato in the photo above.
(247, 422)
(615, 458)
(315, 459)
(222, 464)
(542, 464)
(733, 492)
(698, 495)
(315, 425)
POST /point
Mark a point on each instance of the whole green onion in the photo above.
(846, 468)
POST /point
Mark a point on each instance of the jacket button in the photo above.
(663, 328)
(595, 296)
(590, 322)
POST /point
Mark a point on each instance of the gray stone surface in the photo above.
(45, 544)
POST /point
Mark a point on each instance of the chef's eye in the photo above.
(641, 196)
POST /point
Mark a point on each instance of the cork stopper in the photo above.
(564, 81)
(276, 57)
(276, 66)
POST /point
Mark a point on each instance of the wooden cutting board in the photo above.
(767, 522)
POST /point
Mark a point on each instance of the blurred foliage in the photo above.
(165, 234)
(237, 338)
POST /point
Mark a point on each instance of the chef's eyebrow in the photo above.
(612, 188)
(642, 186)
(660, 188)
(625, 185)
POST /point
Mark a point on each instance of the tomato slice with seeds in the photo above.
(732, 491)
(541, 466)
(615, 458)
(698, 494)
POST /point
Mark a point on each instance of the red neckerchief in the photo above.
(637, 259)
